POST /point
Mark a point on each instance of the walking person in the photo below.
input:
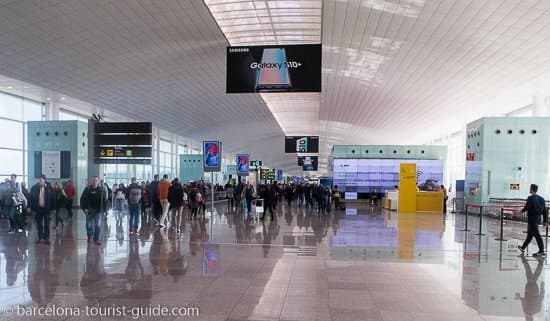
(535, 208)
(162, 193)
(92, 202)
(146, 198)
(175, 198)
(301, 197)
(249, 196)
(268, 194)
(445, 198)
(289, 193)
(336, 197)
(155, 202)
(135, 199)
(237, 190)
(13, 200)
(70, 192)
(42, 203)
(60, 203)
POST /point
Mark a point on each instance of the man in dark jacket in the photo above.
(135, 194)
(42, 203)
(535, 208)
(92, 202)
(155, 201)
(268, 195)
(70, 191)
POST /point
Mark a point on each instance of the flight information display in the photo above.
(368, 175)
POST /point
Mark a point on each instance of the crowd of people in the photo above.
(315, 196)
(16, 201)
(162, 201)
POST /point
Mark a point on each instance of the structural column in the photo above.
(539, 106)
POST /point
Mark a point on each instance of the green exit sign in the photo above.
(128, 153)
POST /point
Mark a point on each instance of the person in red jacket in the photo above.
(162, 193)
(70, 191)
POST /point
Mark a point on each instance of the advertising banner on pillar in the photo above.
(243, 167)
(282, 68)
(51, 164)
(280, 175)
(212, 156)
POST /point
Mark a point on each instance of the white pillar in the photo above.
(539, 106)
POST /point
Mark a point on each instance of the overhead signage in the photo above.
(301, 144)
(243, 166)
(281, 68)
(107, 152)
(267, 174)
(212, 156)
(310, 163)
(256, 163)
(123, 142)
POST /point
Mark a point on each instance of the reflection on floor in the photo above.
(346, 265)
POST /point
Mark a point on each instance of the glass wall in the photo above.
(166, 158)
(15, 111)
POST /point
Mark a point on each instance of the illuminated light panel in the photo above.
(268, 15)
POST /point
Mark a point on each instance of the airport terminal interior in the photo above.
(297, 160)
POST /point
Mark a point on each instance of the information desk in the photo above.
(429, 202)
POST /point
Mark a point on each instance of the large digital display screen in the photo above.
(284, 68)
(301, 144)
(369, 175)
(310, 163)
(212, 156)
(243, 166)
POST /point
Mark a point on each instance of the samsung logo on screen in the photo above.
(238, 50)
(275, 65)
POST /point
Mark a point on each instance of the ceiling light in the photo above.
(10, 87)
(48, 98)
(62, 98)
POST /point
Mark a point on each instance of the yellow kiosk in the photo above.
(411, 200)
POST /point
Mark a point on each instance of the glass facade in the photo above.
(15, 111)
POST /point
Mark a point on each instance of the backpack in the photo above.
(135, 196)
(249, 192)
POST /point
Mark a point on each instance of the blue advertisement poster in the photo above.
(243, 166)
(212, 156)
(279, 174)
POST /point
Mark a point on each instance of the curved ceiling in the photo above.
(394, 71)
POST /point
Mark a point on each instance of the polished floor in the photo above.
(368, 264)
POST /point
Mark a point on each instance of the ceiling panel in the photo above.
(394, 71)
(149, 60)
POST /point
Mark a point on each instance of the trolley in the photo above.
(258, 209)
